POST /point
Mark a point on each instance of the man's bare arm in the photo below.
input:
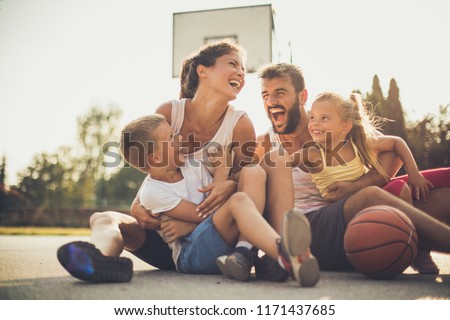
(340, 189)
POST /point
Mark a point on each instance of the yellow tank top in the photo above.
(350, 171)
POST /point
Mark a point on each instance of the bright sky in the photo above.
(60, 57)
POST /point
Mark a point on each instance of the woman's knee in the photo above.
(255, 174)
(103, 218)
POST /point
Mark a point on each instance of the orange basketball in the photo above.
(381, 242)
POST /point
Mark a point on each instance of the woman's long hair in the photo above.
(206, 56)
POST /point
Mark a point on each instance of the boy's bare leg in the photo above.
(239, 215)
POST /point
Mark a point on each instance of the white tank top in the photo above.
(223, 136)
(306, 195)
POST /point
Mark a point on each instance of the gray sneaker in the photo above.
(236, 265)
(293, 248)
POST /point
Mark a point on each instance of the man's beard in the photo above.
(293, 118)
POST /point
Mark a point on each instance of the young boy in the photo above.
(171, 191)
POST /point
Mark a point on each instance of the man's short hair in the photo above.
(284, 70)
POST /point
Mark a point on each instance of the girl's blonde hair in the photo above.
(364, 126)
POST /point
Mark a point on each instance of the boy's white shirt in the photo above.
(159, 196)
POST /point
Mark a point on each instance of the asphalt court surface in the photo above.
(30, 270)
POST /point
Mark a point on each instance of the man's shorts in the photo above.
(328, 229)
(201, 248)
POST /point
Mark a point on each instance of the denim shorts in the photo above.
(201, 248)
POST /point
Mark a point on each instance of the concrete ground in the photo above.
(29, 270)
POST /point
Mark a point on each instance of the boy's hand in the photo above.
(144, 217)
(174, 229)
(420, 186)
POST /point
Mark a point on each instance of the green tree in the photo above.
(72, 177)
(429, 139)
(95, 128)
(389, 108)
(3, 170)
(122, 187)
(376, 97)
(47, 182)
(393, 109)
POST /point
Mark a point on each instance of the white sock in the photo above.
(244, 244)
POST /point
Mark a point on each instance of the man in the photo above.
(284, 95)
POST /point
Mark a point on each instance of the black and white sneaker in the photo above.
(85, 262)
(270, 270)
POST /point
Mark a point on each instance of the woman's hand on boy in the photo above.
(219, 192)
(144, 217)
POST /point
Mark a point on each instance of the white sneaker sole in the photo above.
(296, 241)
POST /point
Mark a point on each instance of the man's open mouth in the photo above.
(278, 114)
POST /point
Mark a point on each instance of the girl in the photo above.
(346, 144)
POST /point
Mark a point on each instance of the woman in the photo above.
(210, 79)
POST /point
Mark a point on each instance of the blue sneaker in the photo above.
(85, 262)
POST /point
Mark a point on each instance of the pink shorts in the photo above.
(438, 177)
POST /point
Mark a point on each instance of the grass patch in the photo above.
(44, 231)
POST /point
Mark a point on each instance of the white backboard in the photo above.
(251, 27)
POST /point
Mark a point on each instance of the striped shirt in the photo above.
(306, 195)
